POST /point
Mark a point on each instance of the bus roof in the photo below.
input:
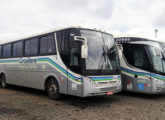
(126, 35)
(51, 31)
(127, 38)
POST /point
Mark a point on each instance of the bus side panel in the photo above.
(74, 88)
(125, 84)
(9, 73)
(36, 74)
(44, 68)
(132, 81)
(21, 73)
(15, 73)
(143, 85)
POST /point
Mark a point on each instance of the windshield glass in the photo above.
(102, 52)
(163, 47)
(157, 55)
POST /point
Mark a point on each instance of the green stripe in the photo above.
(59, 69)
(8, 61)
(144, 75)
(103, 80)
(132, 73)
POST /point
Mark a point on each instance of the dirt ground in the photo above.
(18, 103)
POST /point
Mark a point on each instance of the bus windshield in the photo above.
(102, 51)
(158, 56)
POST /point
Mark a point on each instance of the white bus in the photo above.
(75, 61)
(142, 64)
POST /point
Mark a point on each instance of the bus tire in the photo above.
(52, 89)
(3, 81)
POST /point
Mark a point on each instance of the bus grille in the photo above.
(107, 83)
(103, 83)
(108, 89)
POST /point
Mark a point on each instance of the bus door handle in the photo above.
(136, 76)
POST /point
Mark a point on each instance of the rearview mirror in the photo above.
(84, 47)
(84, 51)
(120, 47)
(120, 51)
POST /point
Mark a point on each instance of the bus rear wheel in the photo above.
(52, 89)
(3, 81)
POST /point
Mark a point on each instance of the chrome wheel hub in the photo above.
(3, 83)
(53, 89)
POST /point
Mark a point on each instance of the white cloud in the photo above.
(25, 17)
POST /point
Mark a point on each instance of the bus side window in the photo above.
(34, 46)
(43, 45)
(7, 50)
(127, 51)
(47, 45)
(31, 47)
(0, 51)
(51, 44)
(139, 57)
(27, 47)
(74, 64)
(18, 49)
(74, 57)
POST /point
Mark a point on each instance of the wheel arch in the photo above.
(48, 77)
(2, 73)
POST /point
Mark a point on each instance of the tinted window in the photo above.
(0, 51)
(18, 49)
(43, 45)
(7, 50)
(69, 49)
(139, 58)
(47, 45)
(63, 38)
(31, 47)
(136, 56)
(74, 57)
(27, 47)
(51, 44)
(34, 46)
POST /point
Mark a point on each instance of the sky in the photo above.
(19, 18)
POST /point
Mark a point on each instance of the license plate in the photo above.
(110, 93)
(129, 86)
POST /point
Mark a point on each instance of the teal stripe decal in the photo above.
(160, 77)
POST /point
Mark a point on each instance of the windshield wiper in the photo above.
(163, 57)
(107, 54)
(104, 55)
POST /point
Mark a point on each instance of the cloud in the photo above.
(25, 17)
(160, 20)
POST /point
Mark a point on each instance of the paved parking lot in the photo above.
(17, 103)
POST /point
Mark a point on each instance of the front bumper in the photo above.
(90, 88)
(158, 86)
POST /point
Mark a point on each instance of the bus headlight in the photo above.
(92, 82)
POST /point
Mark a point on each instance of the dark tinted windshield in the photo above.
(157, 54)
(136, 55)
(102, 52)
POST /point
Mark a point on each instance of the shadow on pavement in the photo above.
(80, 102)
(26, 90)
(141, 95)
(94, 101)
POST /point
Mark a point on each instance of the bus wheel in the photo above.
(3, 81)
(52, 89)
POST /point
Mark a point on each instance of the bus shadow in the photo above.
(141, 95)
(94, 101)
(26, 90)
(82, 103)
